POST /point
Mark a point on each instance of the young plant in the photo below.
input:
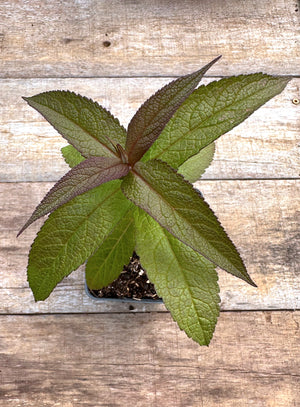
(131, 191)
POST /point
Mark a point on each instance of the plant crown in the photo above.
(132, 191)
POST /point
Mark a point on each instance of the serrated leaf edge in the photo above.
(96, 104)
(247, 278)
(36, 297)
(219, 111)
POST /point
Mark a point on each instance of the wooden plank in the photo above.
(137, 38)
(265, 146)
(261, 217)
(144, 360)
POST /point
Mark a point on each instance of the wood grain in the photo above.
(266, 145)
(87, 353)
(261, 217)
(143, 38)
(144, 360)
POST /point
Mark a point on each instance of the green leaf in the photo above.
(106, 264)
(87, 175)
(193, 168)
(86, 125)
(211, 111)
(157, 188)
(71, 156)
(71, 234)
(154, 114)
(187, 282)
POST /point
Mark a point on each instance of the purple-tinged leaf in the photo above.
(87, 175)
(86, 125)
(160, 191)
(147, 124)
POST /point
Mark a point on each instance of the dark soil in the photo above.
(132, 283)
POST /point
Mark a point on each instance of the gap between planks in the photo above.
(147, 38)
(145, 360)
(265, 146)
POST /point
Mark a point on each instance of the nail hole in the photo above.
(131, 307)
(106, 44)
(296, 101)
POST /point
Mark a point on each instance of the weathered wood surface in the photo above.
(266, 145)
(144, 360)
(262, 218)
(119, 53)
(144, 38)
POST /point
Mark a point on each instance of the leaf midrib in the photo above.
(189, 290)
(90, 178)
(118, 240)
(208, 118)
(173, 209)
(79, 126)
(65, 244)
(154, 117)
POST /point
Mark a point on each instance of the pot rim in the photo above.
(125, 300)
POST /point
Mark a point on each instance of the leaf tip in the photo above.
(213, 61)
(253, 284)
(22, 229)
(25, 226)
(249, 280)
(36, 295)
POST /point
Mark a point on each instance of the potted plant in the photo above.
(132, 190)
